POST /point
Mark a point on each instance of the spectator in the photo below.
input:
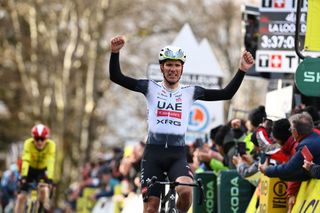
(86, 181)
(130, 167)
(282, 135)
(261, 135)
(106, 183)
(209, 158)
(301, 126)
(227, 138)
(9, 187)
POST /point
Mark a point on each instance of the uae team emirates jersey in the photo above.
(168, 111)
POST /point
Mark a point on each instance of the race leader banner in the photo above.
(276, 42)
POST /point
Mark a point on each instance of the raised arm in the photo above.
(246, 62)
(114, 67)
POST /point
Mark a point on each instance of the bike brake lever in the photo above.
(150, 183)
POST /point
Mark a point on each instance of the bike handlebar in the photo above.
(173, 184)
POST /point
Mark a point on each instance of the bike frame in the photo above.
(33, 202)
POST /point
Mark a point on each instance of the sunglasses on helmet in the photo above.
(170, 54)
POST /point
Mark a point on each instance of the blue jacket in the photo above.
(293, 170)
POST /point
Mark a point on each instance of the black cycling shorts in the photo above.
(158, 160)
(34, 175)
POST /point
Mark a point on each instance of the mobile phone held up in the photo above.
(241, 148)
(306, 153)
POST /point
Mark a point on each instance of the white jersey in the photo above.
(168, 111)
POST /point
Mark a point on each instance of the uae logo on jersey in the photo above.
(198, 118)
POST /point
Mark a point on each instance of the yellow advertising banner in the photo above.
(308, 197)
(273, 195)
(312, 41)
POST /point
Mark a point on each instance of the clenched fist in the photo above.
(117, 43)
(246, 61)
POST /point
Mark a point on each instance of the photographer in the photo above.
(247, 165)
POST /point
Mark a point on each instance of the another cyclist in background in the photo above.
(169, 105)
(38, 161)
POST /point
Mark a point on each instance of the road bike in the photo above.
(169, 197)
(34, 204)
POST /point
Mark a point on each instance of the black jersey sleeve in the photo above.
(220, 94)
(117, 76)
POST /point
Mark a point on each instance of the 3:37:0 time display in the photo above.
(277, 42)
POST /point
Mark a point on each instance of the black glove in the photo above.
(22, 180)
(22, 184)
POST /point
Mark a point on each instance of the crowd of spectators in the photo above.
(252, 146)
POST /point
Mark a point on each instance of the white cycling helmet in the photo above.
(172, 53)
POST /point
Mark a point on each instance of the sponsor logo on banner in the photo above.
(276, 61)
(279, 3)
(282, 5)
(199, 118)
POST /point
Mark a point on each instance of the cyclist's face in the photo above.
(40, 143)
(172, 71)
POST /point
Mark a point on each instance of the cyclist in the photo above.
(38, 160)
(169, 105)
